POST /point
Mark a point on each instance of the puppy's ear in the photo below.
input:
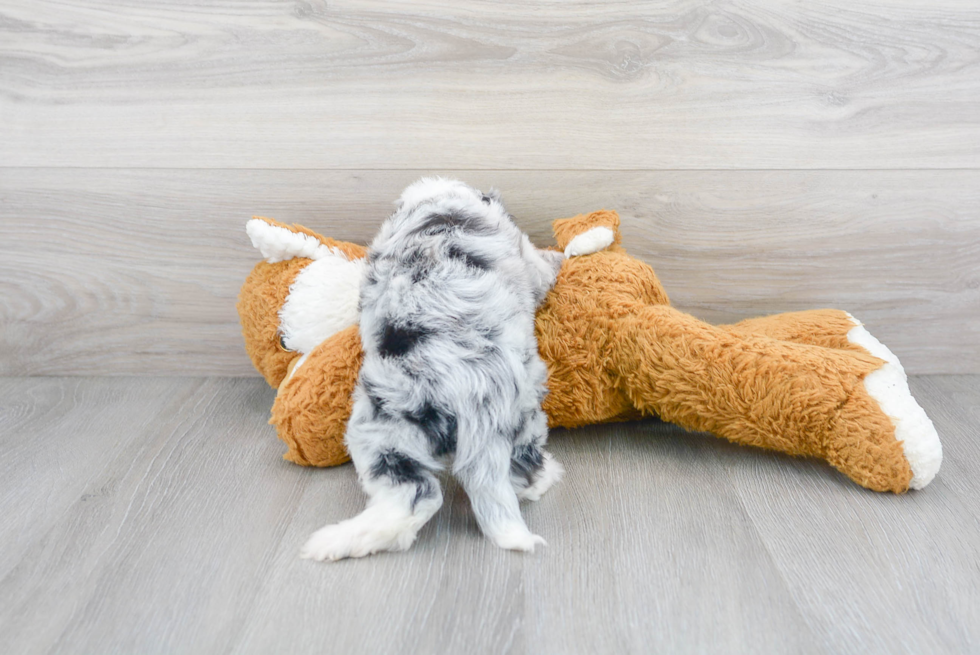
(493, 195)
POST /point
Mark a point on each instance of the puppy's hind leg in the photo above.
(404, 495)
(486, 479)
(534, 473)
(532, 469)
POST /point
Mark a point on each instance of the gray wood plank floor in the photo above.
(154, 515)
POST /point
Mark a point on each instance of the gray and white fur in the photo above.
(451, 370)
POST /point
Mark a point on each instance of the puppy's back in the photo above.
(450, 367)
(447, 319)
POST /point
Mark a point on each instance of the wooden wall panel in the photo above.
(485, 85)
(114, 271)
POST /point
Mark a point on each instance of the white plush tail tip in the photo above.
(889, 386)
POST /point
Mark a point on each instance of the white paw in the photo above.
(353, 538)
(518, 537)
(550, 473)
(326, 543)
(332, 542)
(889, 386)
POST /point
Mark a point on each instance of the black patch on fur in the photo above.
(402, 469)
(420, 263)
(485, 199)
(397, 340)
(526, 461)
(473, 261)
(438, 427)
(439, 223)
(398, 467)
(377, 407)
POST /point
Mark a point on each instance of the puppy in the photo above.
(451, 369)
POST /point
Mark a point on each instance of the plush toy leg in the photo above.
(817, 327)
(888, 385)
(833, 328)
(755, 390)
(314, 401)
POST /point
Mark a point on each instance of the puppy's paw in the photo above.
(363, 535)
(331, 542)
(518, 537)
(348, 539)
(549, 473)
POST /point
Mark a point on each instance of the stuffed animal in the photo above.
(813, 383)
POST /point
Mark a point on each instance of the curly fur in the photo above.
(451, 367)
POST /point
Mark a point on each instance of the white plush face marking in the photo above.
(324, 296)
(322, 301)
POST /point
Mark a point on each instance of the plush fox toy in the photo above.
(812, 383)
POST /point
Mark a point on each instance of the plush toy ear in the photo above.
(279, 242)
(587, 233)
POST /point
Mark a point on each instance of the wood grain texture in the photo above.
(123, 568)
(174, 526)
(53, 447)
(136, 271)
(481, 85)
(955, 409)
(853, 561)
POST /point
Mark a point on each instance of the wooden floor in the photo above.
(150, 515)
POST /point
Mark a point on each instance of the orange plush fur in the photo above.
(616, 350)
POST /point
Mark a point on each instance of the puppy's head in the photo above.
(429, 189)
(434, 190)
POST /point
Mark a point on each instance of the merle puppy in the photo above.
(451, 368)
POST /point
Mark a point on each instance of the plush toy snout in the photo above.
(288, 251)
(263, 294)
